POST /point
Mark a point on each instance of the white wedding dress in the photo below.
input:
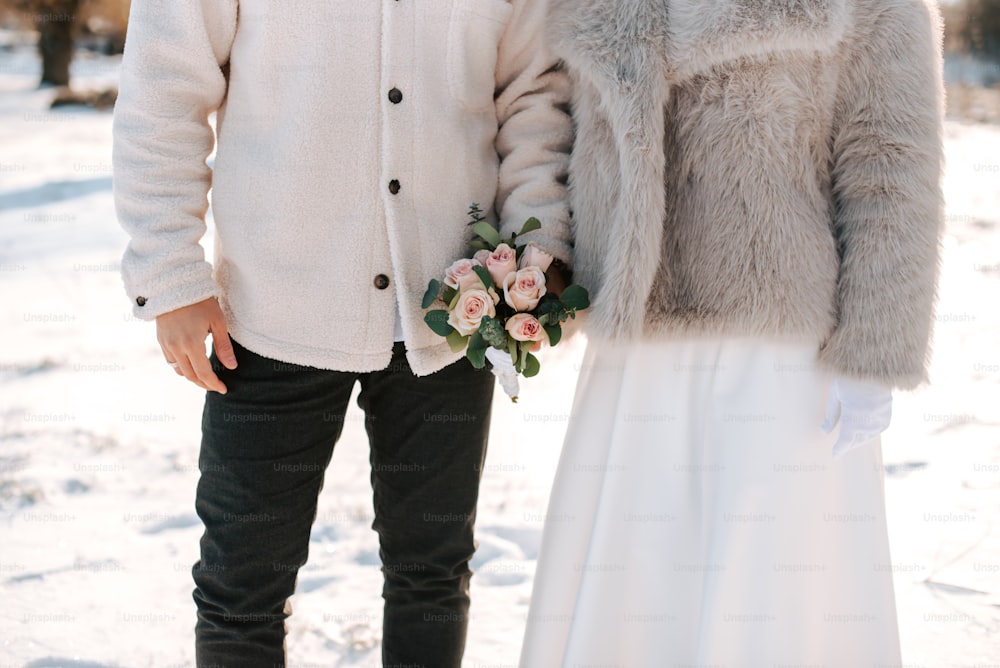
(697, 519)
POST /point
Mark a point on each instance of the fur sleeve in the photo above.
(171, 81)
(886, 170)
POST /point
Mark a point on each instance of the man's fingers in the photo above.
(555, 280)
(202, 369)
(181, 334)
(170, 360)
(186, 355)
(187, 370)
(223, 345)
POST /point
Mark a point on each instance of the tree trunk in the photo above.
(55, 42)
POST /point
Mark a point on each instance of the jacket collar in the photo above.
(685, 37)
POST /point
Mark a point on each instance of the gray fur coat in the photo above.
(763, 168)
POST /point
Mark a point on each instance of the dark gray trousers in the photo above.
(265, 447)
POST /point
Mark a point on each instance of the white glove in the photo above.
(503, 369)
(863, 410)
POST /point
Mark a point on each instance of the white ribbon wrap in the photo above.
(503, 369)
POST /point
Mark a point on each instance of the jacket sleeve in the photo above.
(171, 81)
(886, 171)
(536, 133)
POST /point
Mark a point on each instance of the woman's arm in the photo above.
(887, 162)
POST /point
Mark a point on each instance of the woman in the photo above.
(757, 210)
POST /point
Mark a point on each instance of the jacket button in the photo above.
(395, 96)
(394, 186)
(381, 281)
(141, 301)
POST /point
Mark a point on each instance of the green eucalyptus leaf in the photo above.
(438, 322)
(476, 351)
(548, 304)
(530, 225)
(457, 341)
(493, 332)
(531, 366)
(522, 356)
(551, 312)
(450, 298)
(487, 233)
(575, 297)
(433, 289)
(477, 342)
(477, 357)
(475, 213)
(484, 276)
(555, 334)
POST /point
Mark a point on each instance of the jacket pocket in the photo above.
(473, 41)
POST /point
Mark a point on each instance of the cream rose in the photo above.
(501, 262)
(523, 288)
(525, 327)
(532, 256)
(471, 307)
(481, 256)
(461, 276)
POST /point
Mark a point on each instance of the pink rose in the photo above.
(501, 262)
(532, 256)
(461, 276)
(525, 327)
(523, 288)
(481, 257)
(471, 307)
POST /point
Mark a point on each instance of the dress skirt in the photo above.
(697, 519)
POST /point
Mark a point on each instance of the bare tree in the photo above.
(59, 22)
(982, 27)
(55, 40)
(973, 26)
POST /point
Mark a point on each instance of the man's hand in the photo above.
(557, 277)
(181, 335)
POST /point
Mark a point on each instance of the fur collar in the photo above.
(685, 37)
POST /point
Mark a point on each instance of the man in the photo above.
(351, 139)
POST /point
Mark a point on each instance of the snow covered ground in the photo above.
(99, 440)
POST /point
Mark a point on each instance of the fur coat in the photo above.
(764, 169)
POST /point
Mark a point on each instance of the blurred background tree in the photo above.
(973, 26)
(60, 23)
(972, 42)
(972, 59)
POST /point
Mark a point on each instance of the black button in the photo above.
(381, 281)
(395, 96)
(141, 301)
(394, 186)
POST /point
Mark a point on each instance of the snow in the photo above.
(99, 440)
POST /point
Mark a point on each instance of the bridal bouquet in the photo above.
(494, 305)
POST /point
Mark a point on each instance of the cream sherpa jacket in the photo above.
(752, 168)
(352, 137)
